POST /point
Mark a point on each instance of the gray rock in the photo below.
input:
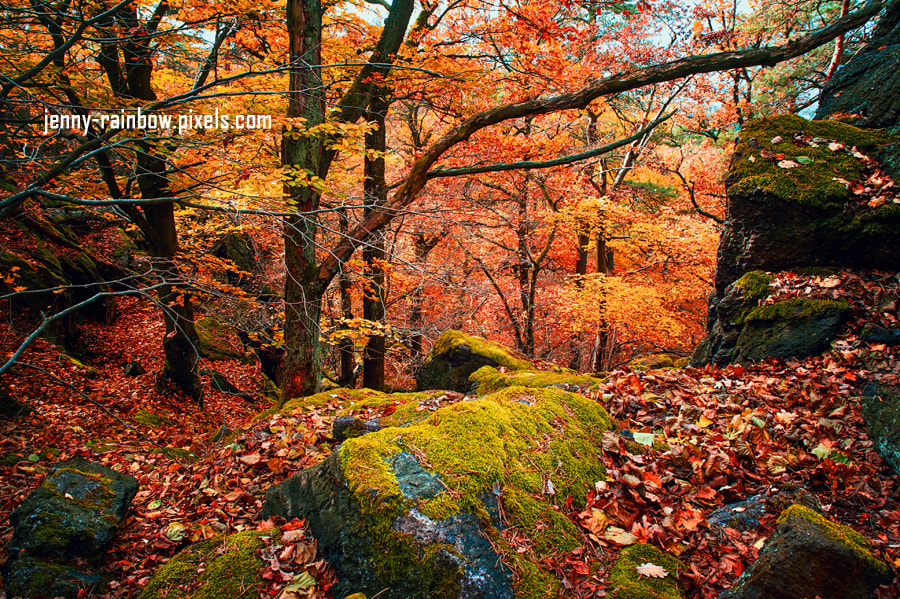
(31, 577)
(809, 556)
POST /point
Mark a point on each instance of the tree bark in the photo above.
(375, 194)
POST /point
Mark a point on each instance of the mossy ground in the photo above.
(214, 569)
(625, 582)
(837, 532)
(488, 379)
(512, 441)
(814, 182)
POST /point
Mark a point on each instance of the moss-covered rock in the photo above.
(456, 356)
(488, 379)
(149, 419)
(867, 85)
(783, 218)
(37, 578)
(216, 341)
(810, 556)
(226, 566)
(651, 361)
(880, 409)
(411, 508)
(725, 319)
(71, 517)
(797, 327)
(625, 582)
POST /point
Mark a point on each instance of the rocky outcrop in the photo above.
(419, 509)
(63, 529)
(456, 356)
(869, 84)
(243, 263)
(810, 556)
(789, 204)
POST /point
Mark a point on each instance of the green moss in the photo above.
(488, 379)
(648, 361)
(516, 438)
(481, 347)
(150, 419)
(842, 534)
(754, 285)
(625, 582)
(219, 567)
(100, 497)
(532, 582)
(403, 408)
(813, 183)
(215, 341)
(796, 308)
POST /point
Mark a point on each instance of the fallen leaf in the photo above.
(652, 570)
(619, 536)
(787, 164)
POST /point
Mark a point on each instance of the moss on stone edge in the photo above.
(212, 340)
(625, 582)
(754, 285)
(488, 379)
(216, 568)
(497, 352)
(794, 308)
(517, 438)
(813, 183)
(837, 532)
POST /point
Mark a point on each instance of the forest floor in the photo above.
(729, 433)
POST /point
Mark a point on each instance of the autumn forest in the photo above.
(222, 222)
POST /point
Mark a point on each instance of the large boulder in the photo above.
(457, 355)
(869, 84)
(880, 408)
(419, 511)
(64, 527)
(810, 556)
(789, 204)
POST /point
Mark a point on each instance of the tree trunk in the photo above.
(375, 194)
(303, 290)
(345, 346)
